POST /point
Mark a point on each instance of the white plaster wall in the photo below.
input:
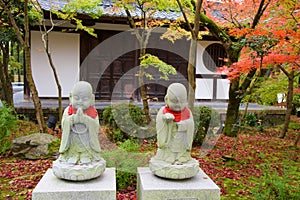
(204, 87)
(64, 48)
(223, 89)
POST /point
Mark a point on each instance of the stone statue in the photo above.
(79, 150)
(175, 131)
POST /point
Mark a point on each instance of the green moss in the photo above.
(294, 126)
(126, 164)
(53, 147)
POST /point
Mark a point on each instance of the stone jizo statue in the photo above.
(175, 131)
(79, 150)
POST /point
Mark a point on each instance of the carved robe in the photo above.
(79, 143)
(175, 137)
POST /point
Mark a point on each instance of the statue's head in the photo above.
(82, 95)
(176, 97)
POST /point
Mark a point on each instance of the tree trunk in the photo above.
(35, 97)
(297, 139)
(232, 110)
(143, 88)
(289, 108)
(25, 42)
(192, 51)
(143, 41)
(60, 111)
(5, 79)
(19, 60)
(191, 74)
(2, 81)
(58, 86)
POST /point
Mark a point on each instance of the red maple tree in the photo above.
(256, 34)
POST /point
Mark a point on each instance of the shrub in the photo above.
(125, 121)
(8, 122)
(251, 119)
(205, 119)
(296, 102)
(126, 164)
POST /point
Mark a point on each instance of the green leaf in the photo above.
(165, 69)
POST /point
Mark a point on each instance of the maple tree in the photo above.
(36, 14)
(223, 19)
(280, 27)
(7, 38)
(23, 35)
(234, 16)
(237, 25)
(286, 55)
(193, 48)
(194, 34)
(69, 12)
(142, 26)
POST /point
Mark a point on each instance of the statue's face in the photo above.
(175, 103)
(81, 99)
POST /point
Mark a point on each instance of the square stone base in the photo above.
(101, 188)
(199, 187)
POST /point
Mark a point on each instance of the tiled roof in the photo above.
(108, 9)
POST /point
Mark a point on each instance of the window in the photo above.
(213, 56)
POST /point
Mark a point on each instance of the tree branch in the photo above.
(13, 22)
(248, 79)
(132, 24)
(284, 71)
(186, 19)
(214, 29)
(197, 18)
(260, 12)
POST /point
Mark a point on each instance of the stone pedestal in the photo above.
(101, 188)
(199, 187)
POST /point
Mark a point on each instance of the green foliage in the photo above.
(8, 122)
(148, 5)
(75, 7)
(117, 114)
(251, 119)
(108, 118)
(276, 187)
(175, 32)
(296, 100)
(205, 119)
(126, 164)
(266, 91)
(34, 14)
(90, 7)
(125, 120)
(129, 145)
(150, 60)
(294, 126)
(259, 43)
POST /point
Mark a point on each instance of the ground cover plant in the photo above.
(263, 166)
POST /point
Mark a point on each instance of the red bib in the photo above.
(179, 115)
(90, 111)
